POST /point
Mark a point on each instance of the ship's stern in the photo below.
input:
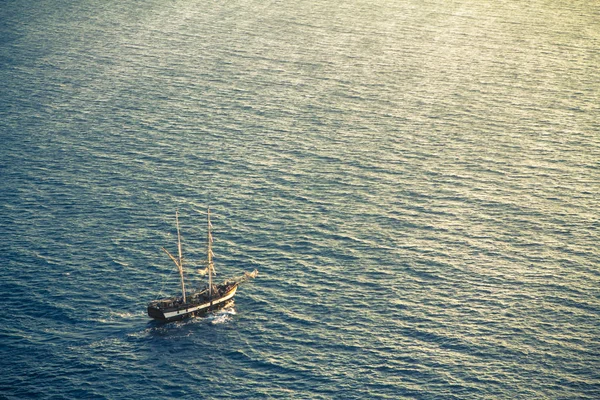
(155, 312)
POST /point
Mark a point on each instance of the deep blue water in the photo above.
(417, 183)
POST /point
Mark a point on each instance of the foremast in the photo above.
(178, 261)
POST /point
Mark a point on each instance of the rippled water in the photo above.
(417, 183)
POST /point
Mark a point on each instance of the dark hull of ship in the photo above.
(176, 312)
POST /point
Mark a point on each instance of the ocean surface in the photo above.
(417, 182)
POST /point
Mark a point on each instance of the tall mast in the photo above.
(180, 263)
(209, 240)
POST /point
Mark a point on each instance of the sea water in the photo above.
(417, 183)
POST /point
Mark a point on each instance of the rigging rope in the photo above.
(165, 279)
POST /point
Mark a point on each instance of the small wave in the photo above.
(123, 314)
(121, 263)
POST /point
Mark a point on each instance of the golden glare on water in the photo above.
(417, 183)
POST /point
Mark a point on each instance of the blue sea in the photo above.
(417, 182)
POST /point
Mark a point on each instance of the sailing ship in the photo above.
(210, 298)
